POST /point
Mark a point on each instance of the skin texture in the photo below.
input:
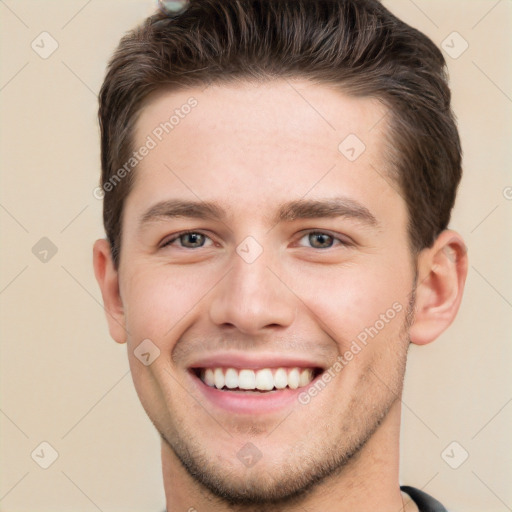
(250, 148)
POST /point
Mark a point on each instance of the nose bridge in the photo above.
(252, 297)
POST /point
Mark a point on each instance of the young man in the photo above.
(278, 180)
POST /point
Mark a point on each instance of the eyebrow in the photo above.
(332, 207)
(287, 212)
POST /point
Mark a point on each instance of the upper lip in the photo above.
(254, 361)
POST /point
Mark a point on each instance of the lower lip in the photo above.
(249, 403)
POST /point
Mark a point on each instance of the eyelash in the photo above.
(179, 235)
(343, 242)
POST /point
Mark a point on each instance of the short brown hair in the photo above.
(356, 45)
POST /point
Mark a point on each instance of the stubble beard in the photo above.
(317, 462)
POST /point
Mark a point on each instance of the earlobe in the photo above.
(108, 280)
(442, 271)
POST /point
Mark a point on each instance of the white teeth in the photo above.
(265, 379)
(280, 378)
(219, 378)
(293, 379)
(247, 379)
(231, 378)
(209, 379)
(306, 376)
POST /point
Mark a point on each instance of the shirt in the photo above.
(424, 502)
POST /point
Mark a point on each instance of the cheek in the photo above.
(350, 301)
(158, 298)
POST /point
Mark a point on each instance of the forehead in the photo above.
(281, 109)
(255, 144)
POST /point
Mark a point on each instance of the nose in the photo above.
(252, 297)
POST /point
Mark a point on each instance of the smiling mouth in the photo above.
(248, 381)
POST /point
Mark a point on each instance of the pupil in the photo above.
(193, 237)
(322, 237)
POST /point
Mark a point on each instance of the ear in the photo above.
(108, 279)
(442, 271)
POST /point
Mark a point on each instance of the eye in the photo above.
(188, 240)
(323, 240)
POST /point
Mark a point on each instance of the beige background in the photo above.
(64, 381)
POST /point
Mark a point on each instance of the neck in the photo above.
(367, 483)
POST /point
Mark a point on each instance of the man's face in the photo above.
(252, 291)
